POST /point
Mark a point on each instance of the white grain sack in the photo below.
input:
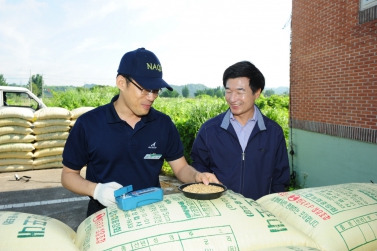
(17, 147)
(18, 155)
(52, 113)
(73, 121)
(15, 130)
(49, 143)
(50, 129)
(48, 152)
(51, 136)
(17, 112)
(15, 168)
(15, 161)
(176, 223)
(22, 231)
(16, 138)
(15, 122)
(57, 164)
(290, 248)
(51, 122)
(75, 113)
(48, 159)
(339, 217)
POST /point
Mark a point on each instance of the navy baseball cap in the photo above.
(144, 67)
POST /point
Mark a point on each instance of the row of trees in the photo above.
(3, 81)
(217, 92)
(35, 84)
(212, 92)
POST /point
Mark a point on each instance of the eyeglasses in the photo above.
(145, 92)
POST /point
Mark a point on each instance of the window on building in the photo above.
(367, 11)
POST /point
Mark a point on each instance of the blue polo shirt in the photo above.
(114, 151)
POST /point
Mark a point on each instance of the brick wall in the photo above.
(333, 69)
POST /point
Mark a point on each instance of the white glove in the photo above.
(104, 193)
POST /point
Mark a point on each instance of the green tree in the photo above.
(3, 81)
(199, 92)
(36, 89)
(169, 94)
(212, 92)
(36, 84)
(218, 92)
(185, 91)
(269, 92)
(165, 94)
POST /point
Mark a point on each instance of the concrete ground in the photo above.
(43, 194)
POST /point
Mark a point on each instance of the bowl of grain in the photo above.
(199, 191)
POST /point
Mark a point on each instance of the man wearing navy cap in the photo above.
(126, 141)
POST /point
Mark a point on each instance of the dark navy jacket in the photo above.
(262, 169)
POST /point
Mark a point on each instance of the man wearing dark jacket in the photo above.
(242, 147)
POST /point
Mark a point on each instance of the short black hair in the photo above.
(127, 77)
(245, 69)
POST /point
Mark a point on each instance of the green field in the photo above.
(188, 114)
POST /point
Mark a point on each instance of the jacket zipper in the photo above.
(243, 170)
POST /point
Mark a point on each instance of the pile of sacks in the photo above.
(330, 218)
(34, 140)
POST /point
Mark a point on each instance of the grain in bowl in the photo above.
(201, 188)
(199, 191)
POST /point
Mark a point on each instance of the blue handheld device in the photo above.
(127, 199)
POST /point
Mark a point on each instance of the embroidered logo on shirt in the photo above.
(153, 146)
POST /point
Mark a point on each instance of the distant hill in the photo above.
(279, 90)
(89, 85)
(192, 88)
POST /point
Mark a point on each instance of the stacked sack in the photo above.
(51, 129)
(16, 147)
(75, 113)
(338, 217)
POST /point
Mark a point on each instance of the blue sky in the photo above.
(81, 42)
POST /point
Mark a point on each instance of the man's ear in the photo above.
(120, 82)
(257, 93)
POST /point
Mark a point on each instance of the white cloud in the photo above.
(76, 42)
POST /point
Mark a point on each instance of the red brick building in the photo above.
(333, 91)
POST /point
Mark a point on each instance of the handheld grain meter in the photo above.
(127, 199)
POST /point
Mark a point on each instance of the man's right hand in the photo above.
(104, 193)
(206, 178)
